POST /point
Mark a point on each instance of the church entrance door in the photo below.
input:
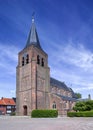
(25, 110)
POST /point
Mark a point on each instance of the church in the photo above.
(35, 89)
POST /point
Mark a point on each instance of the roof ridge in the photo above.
(58, 83)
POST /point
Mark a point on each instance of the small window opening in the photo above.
(38, 59)
(27, 59)
(42, 62)
(22, 61)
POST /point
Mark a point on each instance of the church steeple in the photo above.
(33, 36)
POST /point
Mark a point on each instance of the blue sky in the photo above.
(65, 29)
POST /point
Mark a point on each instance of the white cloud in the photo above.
(84, 88)
(12, 91)
(76, 56)
(8, 63)
(9, 51)
(73, 65)
(8, 59)
(7, 87)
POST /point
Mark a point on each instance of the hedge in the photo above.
(80, 114)
(44, 113)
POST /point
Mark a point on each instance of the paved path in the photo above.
(61, 123)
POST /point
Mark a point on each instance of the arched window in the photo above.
(22, 61)
(42, 63)
(38, 59)
(54, 105)
(27, 59)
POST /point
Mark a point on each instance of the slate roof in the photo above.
(73, 94)
(62, 85)
(59, 84)
(66, 98)
(33, 36)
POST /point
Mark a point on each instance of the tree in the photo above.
(89, 104)
(83, 106)
(80, 106)
(78, 95)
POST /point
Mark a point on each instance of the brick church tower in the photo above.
(32, 76)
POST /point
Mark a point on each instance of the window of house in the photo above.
(12, 106)
(8, 111)
(54, 105)
(8, 107)
(42, 63)
(38, 59)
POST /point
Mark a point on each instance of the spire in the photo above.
(33, 36)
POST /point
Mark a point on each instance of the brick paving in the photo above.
(60, 123)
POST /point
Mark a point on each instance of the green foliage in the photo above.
(44, 113)
(78, 95)
(79, 106)
(13, 114)
(83, 106)
(89, 104)
(80, 114)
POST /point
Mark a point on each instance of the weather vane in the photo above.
(33, 14)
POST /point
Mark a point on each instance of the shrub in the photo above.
(80, 114)
(79, 106)
(83, 106)
(44, 113)
(13, 114)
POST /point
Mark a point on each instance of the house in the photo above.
(7, 106)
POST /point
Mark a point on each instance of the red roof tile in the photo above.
(7, 101)
(1, 102)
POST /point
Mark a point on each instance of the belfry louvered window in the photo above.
(42, 63)
(22, 61)
(38, 59)
(27, 59)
